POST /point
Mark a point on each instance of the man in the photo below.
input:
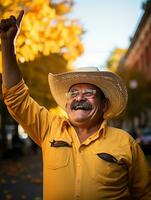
(83, 158)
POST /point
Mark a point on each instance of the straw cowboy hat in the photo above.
(110, 84)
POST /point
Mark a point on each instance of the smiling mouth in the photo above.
(81, 106)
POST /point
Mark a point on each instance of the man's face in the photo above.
(85, 106)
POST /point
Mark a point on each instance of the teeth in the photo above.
(82, 106)
(79, 107)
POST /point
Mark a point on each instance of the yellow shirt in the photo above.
(108, 165)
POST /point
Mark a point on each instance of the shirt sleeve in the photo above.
(35, 119)
(140, 183)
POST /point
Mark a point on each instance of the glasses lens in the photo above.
(88, 93)
(72, 94)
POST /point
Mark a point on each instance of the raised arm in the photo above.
(9, 28)
(35, 119)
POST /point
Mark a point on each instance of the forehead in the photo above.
(83, 86)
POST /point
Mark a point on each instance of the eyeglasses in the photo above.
(87, 93)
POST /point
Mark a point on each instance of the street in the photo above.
(22, 178)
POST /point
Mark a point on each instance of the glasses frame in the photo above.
(86, 93)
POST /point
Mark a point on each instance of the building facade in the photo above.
(138, 57)
(138, 54)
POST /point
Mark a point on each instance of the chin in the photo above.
(79, 120)
(79, 115)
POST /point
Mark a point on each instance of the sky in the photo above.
(108, 24)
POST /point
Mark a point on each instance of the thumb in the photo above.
(19, 18)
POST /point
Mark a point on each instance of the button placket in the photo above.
(78, 176)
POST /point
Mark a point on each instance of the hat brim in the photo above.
(110, 84)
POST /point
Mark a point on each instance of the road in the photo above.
(21, 179)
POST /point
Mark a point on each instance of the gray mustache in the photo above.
(83, 105)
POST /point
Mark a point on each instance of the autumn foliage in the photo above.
(45, 29)
(114, 59)
(49, 41)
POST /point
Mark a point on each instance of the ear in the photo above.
(106, 105)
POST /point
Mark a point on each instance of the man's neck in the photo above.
(85, 132)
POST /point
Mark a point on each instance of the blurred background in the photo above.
(56, 36)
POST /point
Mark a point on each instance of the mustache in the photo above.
(83, 105)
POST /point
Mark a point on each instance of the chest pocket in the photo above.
(110, 170)
(58, 157)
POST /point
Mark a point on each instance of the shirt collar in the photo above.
(103, 125)
(65, 124)
(102, 129)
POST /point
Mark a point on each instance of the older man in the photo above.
(83, 157)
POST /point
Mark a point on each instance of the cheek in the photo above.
(68, 105)
(97, 106)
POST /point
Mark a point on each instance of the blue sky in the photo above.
(108, 24)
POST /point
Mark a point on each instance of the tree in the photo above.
(48, 41)
(114, 59)
(35, 74)
(44, 30)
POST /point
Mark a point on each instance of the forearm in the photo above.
(11, 73)
(33, 118)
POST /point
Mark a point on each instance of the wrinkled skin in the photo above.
(89, 111)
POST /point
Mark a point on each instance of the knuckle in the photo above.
(13, 18)
(3, 21)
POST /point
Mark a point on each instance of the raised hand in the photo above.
(9, 27)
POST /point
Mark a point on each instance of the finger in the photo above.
(6, 24)
(19, 18)
(3, 21)
(13, 18)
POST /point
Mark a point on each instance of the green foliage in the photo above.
(35, 74)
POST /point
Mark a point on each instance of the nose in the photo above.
(80, 97)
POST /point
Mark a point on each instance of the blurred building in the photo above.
(138, 56)
(139, 52)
